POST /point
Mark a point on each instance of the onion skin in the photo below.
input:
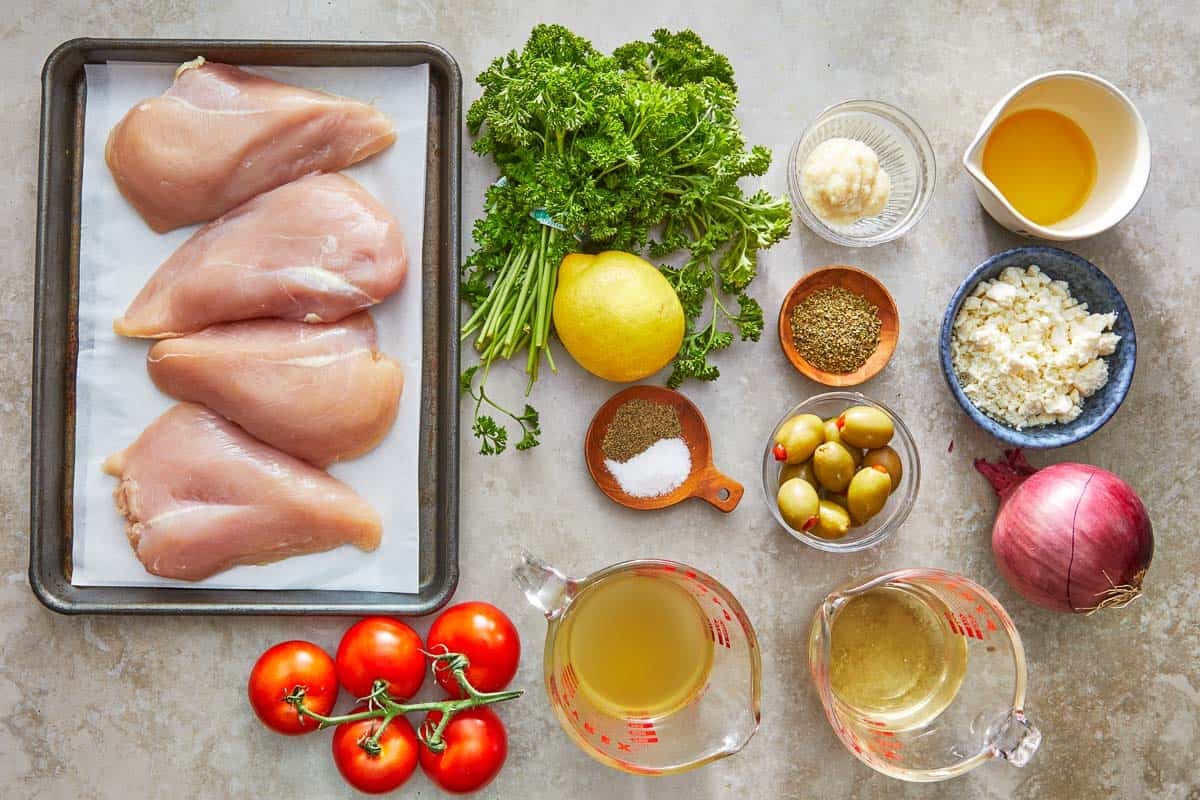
(1070, 537)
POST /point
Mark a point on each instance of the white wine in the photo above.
(894, 659)
(639, 646)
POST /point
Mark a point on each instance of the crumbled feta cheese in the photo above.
(1028, 353)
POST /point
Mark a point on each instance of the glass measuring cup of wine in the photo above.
(651, 666)
(922, 675)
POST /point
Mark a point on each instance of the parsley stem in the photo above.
(517, 321)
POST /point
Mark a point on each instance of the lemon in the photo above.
(617, 315)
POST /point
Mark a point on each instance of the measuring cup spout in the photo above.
(1014, 738)
(546, 589)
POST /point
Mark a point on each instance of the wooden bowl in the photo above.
(861, 283)
(704, 481)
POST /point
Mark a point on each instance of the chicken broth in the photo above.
(639, 646)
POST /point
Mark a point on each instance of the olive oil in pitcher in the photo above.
(893, 658)
(639, 646)
(1042, 162)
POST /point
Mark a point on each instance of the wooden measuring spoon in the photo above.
(704, 481)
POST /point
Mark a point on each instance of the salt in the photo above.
(660, 468)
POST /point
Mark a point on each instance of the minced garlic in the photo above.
(842, 182)
(1028, 353)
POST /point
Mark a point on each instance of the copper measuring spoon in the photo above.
(704, 481)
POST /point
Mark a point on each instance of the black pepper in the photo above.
(637, 425)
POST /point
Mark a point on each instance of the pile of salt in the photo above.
(659, 469)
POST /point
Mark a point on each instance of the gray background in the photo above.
(136, 707)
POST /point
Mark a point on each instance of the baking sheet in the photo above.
(115, 398)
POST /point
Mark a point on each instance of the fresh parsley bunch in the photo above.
(639, 151)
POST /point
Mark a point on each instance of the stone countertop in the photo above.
(108, 707)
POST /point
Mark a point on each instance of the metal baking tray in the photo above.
(55, 344)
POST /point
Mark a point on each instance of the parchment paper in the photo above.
(116, 400)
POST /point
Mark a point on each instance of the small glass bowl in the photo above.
(904, 152)
(899, 503)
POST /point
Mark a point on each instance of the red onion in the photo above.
(1070, 537)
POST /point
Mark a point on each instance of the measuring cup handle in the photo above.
(1015, 739)
(719, 490)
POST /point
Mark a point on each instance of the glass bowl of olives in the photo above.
(840, 472)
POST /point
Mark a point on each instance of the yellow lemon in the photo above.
(617, 315)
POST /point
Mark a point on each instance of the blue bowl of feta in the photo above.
(1038, 347)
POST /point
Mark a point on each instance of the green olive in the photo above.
(834, 466)
(832, 521)
(833, 435)
(887, 458)
(868, 493)
(865, 426)
(802, 471)
(799, 436)
(798, 504)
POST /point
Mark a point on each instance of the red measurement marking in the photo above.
(727, 617)
(605, 740)
(575, 713)
(690, 574)
(570, 681)
(587, 726)
(703, 589)
(719, 632)
(980, 609)
(642, 732)
(890, 754)
(953, 623)
(991, 626)
(876, 724)
(669, 568)
(971, 626)
(622, 747)
(570, 684)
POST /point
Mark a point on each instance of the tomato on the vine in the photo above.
(278, 672)
(381, 647)
(488, 639)
(476, 746)
(384, 771)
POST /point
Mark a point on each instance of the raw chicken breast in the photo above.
(319, 392)
(315, 250)
(200, 495)
(219, 136)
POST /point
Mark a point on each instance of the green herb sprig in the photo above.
(639, 151)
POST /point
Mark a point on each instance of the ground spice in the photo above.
(636, 426)
(835, 329)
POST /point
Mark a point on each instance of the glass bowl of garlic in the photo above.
(862, 173)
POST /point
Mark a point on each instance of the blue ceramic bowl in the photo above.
(1089, 285)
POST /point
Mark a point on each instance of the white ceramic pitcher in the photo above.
(1118, 135)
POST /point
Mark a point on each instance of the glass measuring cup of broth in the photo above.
(651, 666)
(922, 675)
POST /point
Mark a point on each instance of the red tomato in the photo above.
(381, 647)
(280, 670)
(476, 746)
(375, 774)
(486, 637)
